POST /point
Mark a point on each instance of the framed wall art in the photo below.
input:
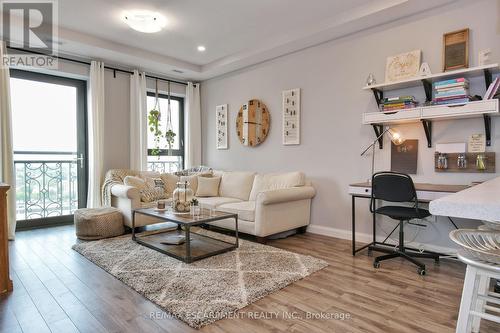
(402, 66)
(291, 117)
(456, 50)
(221, 126)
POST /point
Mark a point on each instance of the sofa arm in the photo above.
(126, 192)
(285, 195)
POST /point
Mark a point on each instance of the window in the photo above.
(173, 160)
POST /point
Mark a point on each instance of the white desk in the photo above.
(425, 193)
(481, 202)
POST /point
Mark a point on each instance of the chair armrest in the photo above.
(286, 195)
(126, 192)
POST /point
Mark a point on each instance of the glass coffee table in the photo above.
(196, 246)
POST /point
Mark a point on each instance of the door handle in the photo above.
(80, 160)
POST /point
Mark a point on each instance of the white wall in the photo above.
(331, 76)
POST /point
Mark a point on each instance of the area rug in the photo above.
(204, 291)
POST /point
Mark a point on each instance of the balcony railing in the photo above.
(45, 187)
(165, 166)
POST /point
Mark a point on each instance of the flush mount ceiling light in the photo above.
(201, 48)
(144, 20)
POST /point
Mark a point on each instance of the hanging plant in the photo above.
(154, 124)
(169, 134)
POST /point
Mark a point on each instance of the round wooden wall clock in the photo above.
(252, 123)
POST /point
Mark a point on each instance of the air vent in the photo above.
(177, 71)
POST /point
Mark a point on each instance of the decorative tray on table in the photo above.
(482, 244)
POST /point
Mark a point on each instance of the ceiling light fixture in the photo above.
(144, 20)
(201, 48)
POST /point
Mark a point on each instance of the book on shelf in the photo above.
(398, 98)
(452, 101)
(452, 85)
(440, 99)
(451, 81)
(492, 89)
(457, 92)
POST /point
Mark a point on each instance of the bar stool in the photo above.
(476, 294)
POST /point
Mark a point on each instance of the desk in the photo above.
(425, 193)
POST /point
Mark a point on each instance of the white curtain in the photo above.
(6, 150)
(192, 126)
(138, 122)
(96, 133)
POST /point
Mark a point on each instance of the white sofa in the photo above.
(266, 204)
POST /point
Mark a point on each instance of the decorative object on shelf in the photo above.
(182, 197)
(477, 143)
(396, 138)
(483, 57)
(451, 91)
(456, 50)
(442, 161)
(425, 69)
(291, 117)
(169, 131)
(221, 126)
(370, 80)
(154, 118)
(402, 66)
(465, 162)
(252, 123)
(462, 161)
(404, 157)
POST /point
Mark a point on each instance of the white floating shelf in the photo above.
(435, 112)
(416, 81)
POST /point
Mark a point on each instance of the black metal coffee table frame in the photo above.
(186, 221)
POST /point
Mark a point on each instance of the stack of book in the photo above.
(397, 103)
(451, 91)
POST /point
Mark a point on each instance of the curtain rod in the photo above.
(114, 69)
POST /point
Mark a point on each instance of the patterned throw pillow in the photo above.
(151, 189)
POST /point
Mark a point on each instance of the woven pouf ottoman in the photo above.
(98, 223)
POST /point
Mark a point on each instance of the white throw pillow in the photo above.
(208, 186)
(151, 189)
(276, 181)
(170, 181)
(236, 185)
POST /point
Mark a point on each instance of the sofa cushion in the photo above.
(208, 187)
(214, 202)
(236, 185)
(149, 190)
(193, 179)
(245, 209)
(170, 181)
(276, 181)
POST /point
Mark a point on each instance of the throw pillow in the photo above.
(208, 186)
(170, 181)
(147, 187)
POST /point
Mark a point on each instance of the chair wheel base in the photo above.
(421, 271)
(376, 264)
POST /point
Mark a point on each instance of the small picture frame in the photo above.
(221, 127)
(456, 50)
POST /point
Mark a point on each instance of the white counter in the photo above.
(480, 202)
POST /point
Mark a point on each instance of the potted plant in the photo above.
(154, 127)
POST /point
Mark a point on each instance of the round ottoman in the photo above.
(98, 223)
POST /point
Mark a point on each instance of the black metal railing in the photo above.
(45, 187)
(165, 166)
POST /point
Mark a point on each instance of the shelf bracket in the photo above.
(487, 78)
(379, 95)
(428, 90)
(378, 131)
(427, 124)
(487, 128)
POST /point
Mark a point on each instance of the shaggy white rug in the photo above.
(204, 291)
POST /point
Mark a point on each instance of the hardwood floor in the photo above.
(58, 290)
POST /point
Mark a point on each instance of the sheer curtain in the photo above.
(138, 122)
(192, 126)
(6, 151)
(96, 132)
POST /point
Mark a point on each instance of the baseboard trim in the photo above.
(367, 238)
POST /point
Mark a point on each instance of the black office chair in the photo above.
(398, 187)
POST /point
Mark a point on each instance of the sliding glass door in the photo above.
(50, 147)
